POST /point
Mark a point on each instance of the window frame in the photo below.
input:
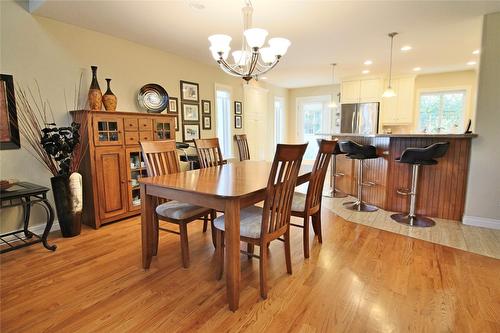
(229, 90)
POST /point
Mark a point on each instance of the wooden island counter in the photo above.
(441, 187)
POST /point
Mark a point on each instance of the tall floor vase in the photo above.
(68, 197)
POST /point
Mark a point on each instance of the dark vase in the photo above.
(69, 220)
(109, 99)
(95, 94)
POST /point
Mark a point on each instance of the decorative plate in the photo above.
(153, 98)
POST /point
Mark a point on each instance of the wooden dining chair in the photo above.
(241, 141)
(309, 204)
(209, 152)
(259, 226)
(161, 158)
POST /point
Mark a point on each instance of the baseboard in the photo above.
(484, 222)
(39, 228)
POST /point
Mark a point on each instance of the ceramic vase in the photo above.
(95, 94)
(68, 197)
(109, 99)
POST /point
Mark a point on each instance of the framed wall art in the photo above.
(190, 132)
(190, 112)
(9, 131)
(190, 92)
(238, 108)
(206, 107)
(177, 122)
(238, 122)
(207, 122)
(173, 105)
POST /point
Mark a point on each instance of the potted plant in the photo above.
(61, 150)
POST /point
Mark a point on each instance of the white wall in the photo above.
(483, 189)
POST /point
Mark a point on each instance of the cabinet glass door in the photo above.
(163, 130)
(136, 170)
(107, 131)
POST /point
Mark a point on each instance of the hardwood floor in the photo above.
(360, 279)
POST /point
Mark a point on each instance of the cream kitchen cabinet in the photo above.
(398, 110)
(361, 91)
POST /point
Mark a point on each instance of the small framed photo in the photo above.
(206, 107)
(207, 122)
(190, 132)
(238, 108)
(190, 91)
(238, 122)
(173, 105)
(190, 112)
(177, 122)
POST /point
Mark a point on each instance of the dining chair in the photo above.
(309, 204)
(209, 152)
(161, 158)
(241, 141)
(259, 226)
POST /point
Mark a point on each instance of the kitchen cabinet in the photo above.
(113, 162)
(398, 110)
(361, 91)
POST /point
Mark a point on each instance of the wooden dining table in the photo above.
(226, 188)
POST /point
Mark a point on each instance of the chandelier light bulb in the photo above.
(279, 45)
(255, 37)
(220, 42)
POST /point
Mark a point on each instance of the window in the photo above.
(223, 120)
(279, 118)
(442, 111)
(314, 117)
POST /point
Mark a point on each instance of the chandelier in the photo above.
(252, 60)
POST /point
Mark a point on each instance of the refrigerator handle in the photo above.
(353, 122)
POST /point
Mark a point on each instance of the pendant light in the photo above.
(389, 92)
(333, 105)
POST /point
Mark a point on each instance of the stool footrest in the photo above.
(404, 191)
(367, 183)
(338, 174)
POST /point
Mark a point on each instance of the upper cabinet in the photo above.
(398, 110)
(361, 91)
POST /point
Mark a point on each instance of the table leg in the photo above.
(50, 220)
(232, 235)
(147, 225)
(26, 213)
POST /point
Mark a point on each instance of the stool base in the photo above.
(337, 194)
(414, 221)
(359, 206)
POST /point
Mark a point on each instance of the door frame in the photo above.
(326, 99)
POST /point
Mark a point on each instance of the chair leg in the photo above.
(184, 245)
(306, 236)
(219, 253)
(213, 216)
(205, 223)
(156, 236)
(317, 226)
(288, 256)
(263, 271)
(250, 249)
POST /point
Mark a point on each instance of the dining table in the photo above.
(226, 188)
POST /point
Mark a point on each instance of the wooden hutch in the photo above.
(113, 162)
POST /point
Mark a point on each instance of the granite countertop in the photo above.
(416, 135)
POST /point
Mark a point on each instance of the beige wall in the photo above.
(55, 54)
(293, 94)
(483, 191)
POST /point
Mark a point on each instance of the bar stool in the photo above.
(417, 157)
(334, 192)
(361, 153)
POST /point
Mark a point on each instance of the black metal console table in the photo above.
(26, 194)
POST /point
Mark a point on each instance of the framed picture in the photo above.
(238, 108)
(9, 132)
(177, 122)
(206, 107)
(190, 132)
(207, 122)
(190, 112)
(173, 105)
(190, 91)
(238, 122)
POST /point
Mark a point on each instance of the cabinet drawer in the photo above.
(131, 138)
(131, 124)
(146, 136)
(145, 124)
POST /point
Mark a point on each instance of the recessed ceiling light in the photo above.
(368, 62)
(417, 69)
(365, 71)
(471, 63)
(196, 5)
(476, 52)
(406, 48)
(263, 78)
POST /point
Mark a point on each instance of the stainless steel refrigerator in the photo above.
(361, 118)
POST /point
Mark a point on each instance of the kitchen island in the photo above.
(441, 187)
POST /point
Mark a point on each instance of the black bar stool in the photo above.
(417, 157)
(334, 192)
(359, 152)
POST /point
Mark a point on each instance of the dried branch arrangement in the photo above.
(59, 149)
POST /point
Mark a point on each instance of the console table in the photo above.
(26, 194)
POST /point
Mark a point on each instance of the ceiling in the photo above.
(442, 34)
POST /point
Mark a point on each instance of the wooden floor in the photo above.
(360, 279)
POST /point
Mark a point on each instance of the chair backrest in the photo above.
(318, 174)
(280, 189)
(209, 152)
(160, 157)
(241, 141)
